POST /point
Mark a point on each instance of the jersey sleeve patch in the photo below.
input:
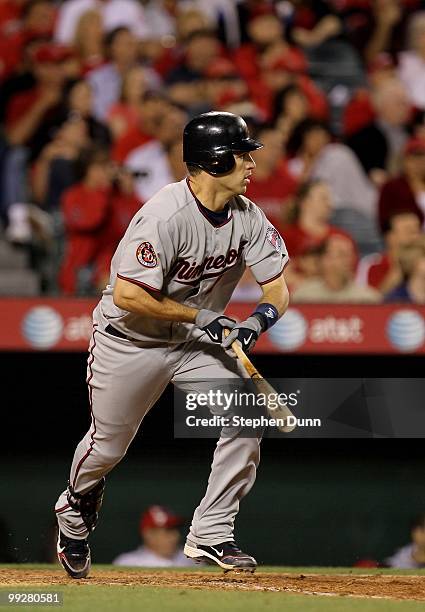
(274, 238)
(146, 255)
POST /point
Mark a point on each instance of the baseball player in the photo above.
(160, 320)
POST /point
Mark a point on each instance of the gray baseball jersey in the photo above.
(172, 247)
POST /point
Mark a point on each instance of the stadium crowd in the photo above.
(94, 95)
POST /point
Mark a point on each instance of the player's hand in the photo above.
(246, 333)
(214, 324)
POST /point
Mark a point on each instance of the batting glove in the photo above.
(214, 324)
(246, 333)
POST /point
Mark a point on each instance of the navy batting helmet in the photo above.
(211, 139)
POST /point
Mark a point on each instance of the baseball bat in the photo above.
(279, 412)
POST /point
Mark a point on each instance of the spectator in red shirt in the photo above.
(406, 192)
(10, 15)
(382, 270)
(36, 21)
(159, 161)
(124, 115)
(271, 184)
(308, 230)
(360, 111)
(152, 107)
(94, 214)
(164, 59)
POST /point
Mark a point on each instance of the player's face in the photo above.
(238, 180)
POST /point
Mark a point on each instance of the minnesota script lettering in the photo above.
(190, 273)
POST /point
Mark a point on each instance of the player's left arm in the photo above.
(276, 293)
(266, 256)
(272, 306)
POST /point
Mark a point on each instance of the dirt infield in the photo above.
(355, 585)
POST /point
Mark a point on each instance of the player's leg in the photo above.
(233, 469)
(124, 382)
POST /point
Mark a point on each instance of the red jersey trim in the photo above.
(138, 283)
(269, 280)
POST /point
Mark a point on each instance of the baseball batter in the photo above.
(160, 320)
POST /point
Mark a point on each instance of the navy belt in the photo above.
(114, 332)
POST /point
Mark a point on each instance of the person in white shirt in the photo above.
(115, 14)
(411, 63)
(412, 555)
(106, 80)
(161, 537)
(159, 161)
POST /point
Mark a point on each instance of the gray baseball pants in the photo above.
(125, 380)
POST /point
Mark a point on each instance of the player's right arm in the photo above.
(145, 262)
(153, 304)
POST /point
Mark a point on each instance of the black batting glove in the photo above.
(214, 324)
(246, 333)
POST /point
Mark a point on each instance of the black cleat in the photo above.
(227, 555)
(74, 556)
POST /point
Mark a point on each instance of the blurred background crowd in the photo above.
(94, 95)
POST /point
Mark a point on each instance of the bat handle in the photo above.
(249, 367)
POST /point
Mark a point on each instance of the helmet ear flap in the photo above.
(218, 161)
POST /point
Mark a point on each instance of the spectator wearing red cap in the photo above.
(159, 531)
(405, 192)
(30, 114)
(36, 21)
(268, 64)
(223, 85)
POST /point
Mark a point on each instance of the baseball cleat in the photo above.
(227, 555)
(74, 556)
